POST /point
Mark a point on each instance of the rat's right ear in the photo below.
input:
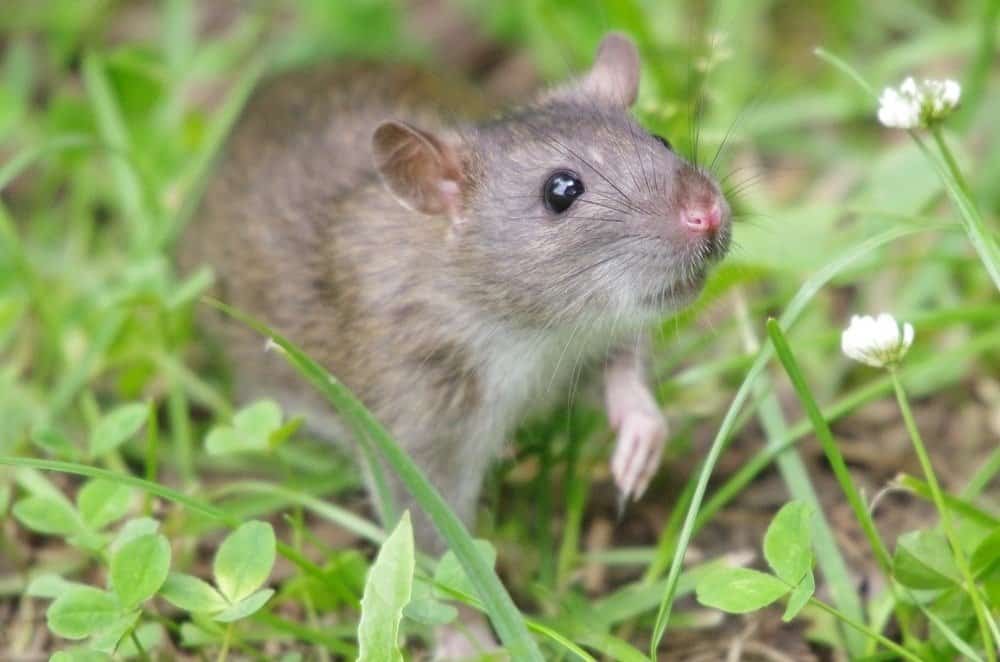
(420, 169)
(614, 78)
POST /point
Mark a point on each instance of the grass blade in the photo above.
(114, 133)
(800, 486)
(728, 425)
(503, 613)
(825, 436)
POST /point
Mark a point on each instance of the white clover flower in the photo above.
(876, 341)
(914, 104)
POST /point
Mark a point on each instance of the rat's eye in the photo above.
(561, 189)
(665, 142)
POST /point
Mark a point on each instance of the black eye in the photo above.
(561, 189)
(665, 142)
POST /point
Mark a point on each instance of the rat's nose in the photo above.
(702, 219)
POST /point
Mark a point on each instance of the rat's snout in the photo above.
(702, 219)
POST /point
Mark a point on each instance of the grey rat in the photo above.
(455, 273)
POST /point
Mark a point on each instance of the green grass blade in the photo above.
(795, 307)
(983, 476)
(797, 480)
(114, 133)
(955, 504)
(953, 637)
(850, 402)
(982, 239)
(27, 157)
(846, 69)
(189, 502)
(825, 436)
(560, 640)
(196, 177)
(339, 516)
(503, 613)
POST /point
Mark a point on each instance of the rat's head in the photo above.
(566, 210)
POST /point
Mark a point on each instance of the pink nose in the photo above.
(702, 220)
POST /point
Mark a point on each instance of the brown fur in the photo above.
(452, 324)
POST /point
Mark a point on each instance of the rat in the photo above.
(454, 271)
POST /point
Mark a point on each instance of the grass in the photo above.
(110, 118)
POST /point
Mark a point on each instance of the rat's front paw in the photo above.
(641, 436)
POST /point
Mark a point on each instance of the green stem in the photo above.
(152, 451)
(729, 422)
(839, 466)
(226, 639)
(850, 622)
(830, 448)
(982, 477)
(982, 239)
(949, 159)
(847, 69)
(799, 484)
(138, 646)
(180, 424)
(944, 514)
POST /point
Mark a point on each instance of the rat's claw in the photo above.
(641, 436)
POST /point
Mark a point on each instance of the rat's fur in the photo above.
(452, 324)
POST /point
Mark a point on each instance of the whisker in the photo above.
(568, 150)
(602, 205)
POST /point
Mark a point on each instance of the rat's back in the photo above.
(301, 148)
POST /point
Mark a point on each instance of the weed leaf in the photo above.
(48, 515)
(49, 586)
(923, 560)
(987, 554)
(192, 594)
(101, 502)
(788, 542)
(260, 418)
(244, 560)
(799, 597)
(139, 568)
(117, 427)
(450, 574)
(134, 528)
(430, 612)
(245, 607)
(108, 638)
(82, 611)
(387, 590)
(739, 590)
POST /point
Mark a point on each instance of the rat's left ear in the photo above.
(423, 171)
(614, 78)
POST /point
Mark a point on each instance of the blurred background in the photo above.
(111, 113)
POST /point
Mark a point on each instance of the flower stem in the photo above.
(830, 448)
(138, 646)
(946, 523)
(982, 239)
(226, 639)
(860, 627)
(949, 159)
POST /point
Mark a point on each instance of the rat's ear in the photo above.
(614, 77)
(420, 169)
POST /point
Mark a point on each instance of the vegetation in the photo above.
(136, 510)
